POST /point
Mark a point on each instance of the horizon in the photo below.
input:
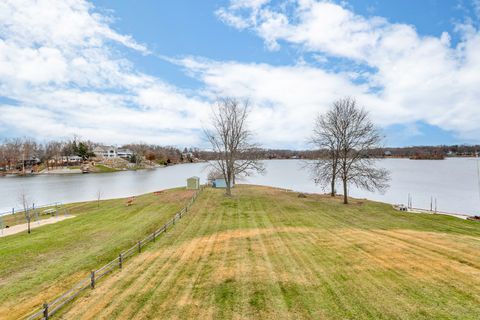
(118, 72)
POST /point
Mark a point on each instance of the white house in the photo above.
(112, 152)
(124, 153)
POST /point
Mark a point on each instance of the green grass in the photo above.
(263, 253)
(268, 254)
(100, 168)
(37, 267)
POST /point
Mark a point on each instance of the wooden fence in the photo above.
(49, 309)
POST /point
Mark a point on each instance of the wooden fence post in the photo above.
(139, 246)
(92, 279)
(120, 261)
(45, 311)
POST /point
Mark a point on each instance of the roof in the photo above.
(103, 148)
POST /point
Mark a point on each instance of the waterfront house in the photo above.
(112, 152)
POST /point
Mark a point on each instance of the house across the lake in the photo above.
(112, 152)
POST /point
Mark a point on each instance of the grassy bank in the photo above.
(269, 254)
(100, 168)
(263, 253)
(36, 267)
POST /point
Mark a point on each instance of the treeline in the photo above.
(23, 153)
(269, 154)
(443, 150)
(401, 152)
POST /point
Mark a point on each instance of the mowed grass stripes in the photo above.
(265, 253)
(39, 267)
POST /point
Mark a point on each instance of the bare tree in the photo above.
(326, 140)
(99, 196)
(235, 154)
(357, 134)
(347, 134)
(24, 201)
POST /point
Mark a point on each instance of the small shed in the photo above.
(219, 183)
(193, 183)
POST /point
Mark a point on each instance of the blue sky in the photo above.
(130, 71)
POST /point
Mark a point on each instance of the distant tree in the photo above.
(150, 155)
(133, 158)
(29, 148)
(83, 150)
(230, 139)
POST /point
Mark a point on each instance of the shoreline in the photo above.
(75, 171)
(395, 206)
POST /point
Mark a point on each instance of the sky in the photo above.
(149, 71)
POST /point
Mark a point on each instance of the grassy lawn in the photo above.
(37, 267)
(268, 254)
(100, 168)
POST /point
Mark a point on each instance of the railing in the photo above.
(15, 210)
(49, 309)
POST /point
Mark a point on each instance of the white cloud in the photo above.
(62, 64)
(283, 98)
(421, 78)
(60, 61)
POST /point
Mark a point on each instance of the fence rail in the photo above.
(20, 210)
(49, 309)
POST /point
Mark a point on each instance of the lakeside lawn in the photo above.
(264, 253)
(37, 267)
(268, 254)
(100, 168)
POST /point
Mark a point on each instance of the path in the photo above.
(23, 227)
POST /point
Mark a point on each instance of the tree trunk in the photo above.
(228, 190)
(345, 196)
(28, 225)
(334, 176)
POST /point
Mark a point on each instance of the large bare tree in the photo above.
(235, 154)
(346, 134)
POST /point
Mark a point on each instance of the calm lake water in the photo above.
(454, 182)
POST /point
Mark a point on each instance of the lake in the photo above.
(453, 182)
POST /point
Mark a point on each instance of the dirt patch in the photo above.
(175, 195)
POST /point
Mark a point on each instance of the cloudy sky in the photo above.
(131, 71)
